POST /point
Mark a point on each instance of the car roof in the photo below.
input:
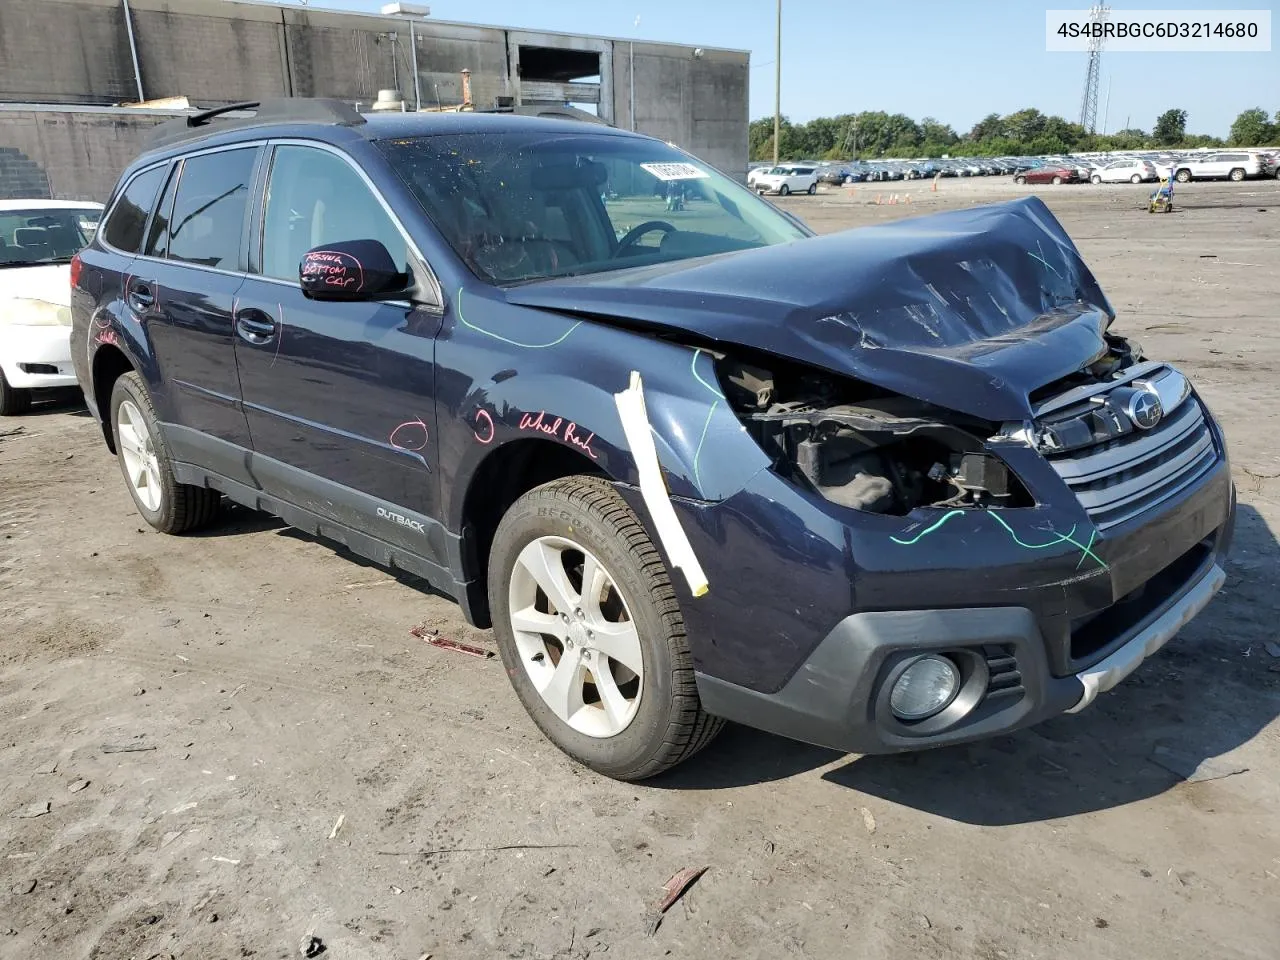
(336, 122)
(44, 204)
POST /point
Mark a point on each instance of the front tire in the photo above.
(1057, 181)
(1183, 176)
(591, 634)
(145, 462)
(1020, 180)
(783, 190)
(13, 401)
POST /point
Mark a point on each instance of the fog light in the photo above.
(925, 688)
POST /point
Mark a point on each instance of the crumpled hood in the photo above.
(51, 283)
(969, 309)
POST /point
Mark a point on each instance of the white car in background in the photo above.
(786, 179)
(38, 238)
(1230, 165)
(1127, 169)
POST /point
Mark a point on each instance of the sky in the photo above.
(954, 61)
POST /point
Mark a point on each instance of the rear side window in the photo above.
(207, 224)
(129, 216)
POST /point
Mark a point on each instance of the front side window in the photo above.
(520, 206)
(129, 216)
(45, 234)
(315, 198)
(207, 223)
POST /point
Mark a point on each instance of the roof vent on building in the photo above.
(389, 100)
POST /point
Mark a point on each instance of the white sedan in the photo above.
(1125, 170)
(38, 238)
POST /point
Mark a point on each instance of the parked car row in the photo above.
(1141, 167)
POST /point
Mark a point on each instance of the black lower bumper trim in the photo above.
(838, 698)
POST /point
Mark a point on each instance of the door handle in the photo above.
(255, 326)
(140, 296)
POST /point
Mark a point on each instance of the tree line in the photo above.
(875, 133)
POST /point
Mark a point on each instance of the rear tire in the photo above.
(1135, 179)
(813, 188)
(1236, 175)
(1096, 179)
(145, 462)
(637, 722)
(12, 400)
(1183, 176)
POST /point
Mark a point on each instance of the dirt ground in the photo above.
(299, 765)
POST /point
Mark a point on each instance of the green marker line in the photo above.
(693, 367)
(928, 530)
(698, 453)
(514, 343)
(1043, 260)
(1086, 549)
(1068, 537)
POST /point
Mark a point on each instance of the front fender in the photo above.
(530, 373)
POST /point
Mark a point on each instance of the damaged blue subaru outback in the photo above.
(882, 490)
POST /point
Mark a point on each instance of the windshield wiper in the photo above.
(33, 263)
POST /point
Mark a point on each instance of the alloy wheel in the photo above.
(138, 450)
(576, 638)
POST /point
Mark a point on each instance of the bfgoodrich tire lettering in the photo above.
(173, 507)
(667, 724)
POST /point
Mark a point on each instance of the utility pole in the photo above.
(1089, 100)
(777, 86)
(1106, 111)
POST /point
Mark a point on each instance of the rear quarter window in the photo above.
(128, 217)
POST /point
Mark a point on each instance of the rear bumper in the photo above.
(35, 358)
(840, 696)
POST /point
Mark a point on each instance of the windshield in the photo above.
(45, 234)
(527, 205)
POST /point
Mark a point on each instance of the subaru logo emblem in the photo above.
(1144, 409)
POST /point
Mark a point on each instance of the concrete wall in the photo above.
(71, 153)
(215, 51)
(696, 102)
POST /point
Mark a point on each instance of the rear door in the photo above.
(339, 396)
(185, 285)
(1211, 166)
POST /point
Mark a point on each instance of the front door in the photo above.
(339, 396)
(185, 284)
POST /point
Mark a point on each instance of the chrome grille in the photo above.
(1119, 478)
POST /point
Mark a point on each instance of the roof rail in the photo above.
(285, 110)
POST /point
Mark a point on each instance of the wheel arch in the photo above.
(499, 480)
(110, 363)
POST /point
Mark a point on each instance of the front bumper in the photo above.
(35, 358)
(811, 611)
(839, 697)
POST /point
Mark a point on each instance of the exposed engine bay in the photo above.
(867, 449)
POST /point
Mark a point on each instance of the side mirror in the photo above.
(350, 270)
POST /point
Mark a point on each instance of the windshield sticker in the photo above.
(675, 171)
